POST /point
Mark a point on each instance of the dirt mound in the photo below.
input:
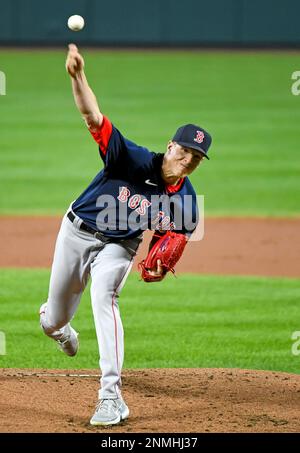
(160, 400)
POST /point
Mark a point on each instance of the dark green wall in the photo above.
(153, 22)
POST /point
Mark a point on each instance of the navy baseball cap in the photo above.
(192, 136)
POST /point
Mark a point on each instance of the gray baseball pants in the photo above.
(77, 256)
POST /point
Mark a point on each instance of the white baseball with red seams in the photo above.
(76, 22)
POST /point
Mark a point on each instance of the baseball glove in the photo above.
(168, 249)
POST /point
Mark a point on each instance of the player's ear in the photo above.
(170, 144)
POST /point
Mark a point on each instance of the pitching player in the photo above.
(89, 246)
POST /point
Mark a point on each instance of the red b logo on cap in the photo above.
(199, 137)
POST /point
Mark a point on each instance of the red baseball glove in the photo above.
(168, 249)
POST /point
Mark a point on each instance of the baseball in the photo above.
(76, 22)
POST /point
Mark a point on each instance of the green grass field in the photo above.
(47, 157)
(243, 322)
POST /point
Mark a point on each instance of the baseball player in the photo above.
(97, 240)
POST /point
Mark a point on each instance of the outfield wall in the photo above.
(153, 23)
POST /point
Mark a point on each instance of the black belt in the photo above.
(88, 229)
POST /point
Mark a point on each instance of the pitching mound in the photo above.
(160, 400)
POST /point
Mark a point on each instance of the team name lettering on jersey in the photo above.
(141, 205)
(136, 202)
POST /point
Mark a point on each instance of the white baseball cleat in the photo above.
(109, 412)
(66, 337)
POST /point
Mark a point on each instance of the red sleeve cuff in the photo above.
(102, 134)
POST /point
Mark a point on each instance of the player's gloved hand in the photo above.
(162, 256)
(74, 62)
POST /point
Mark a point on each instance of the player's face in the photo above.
(182, 161)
